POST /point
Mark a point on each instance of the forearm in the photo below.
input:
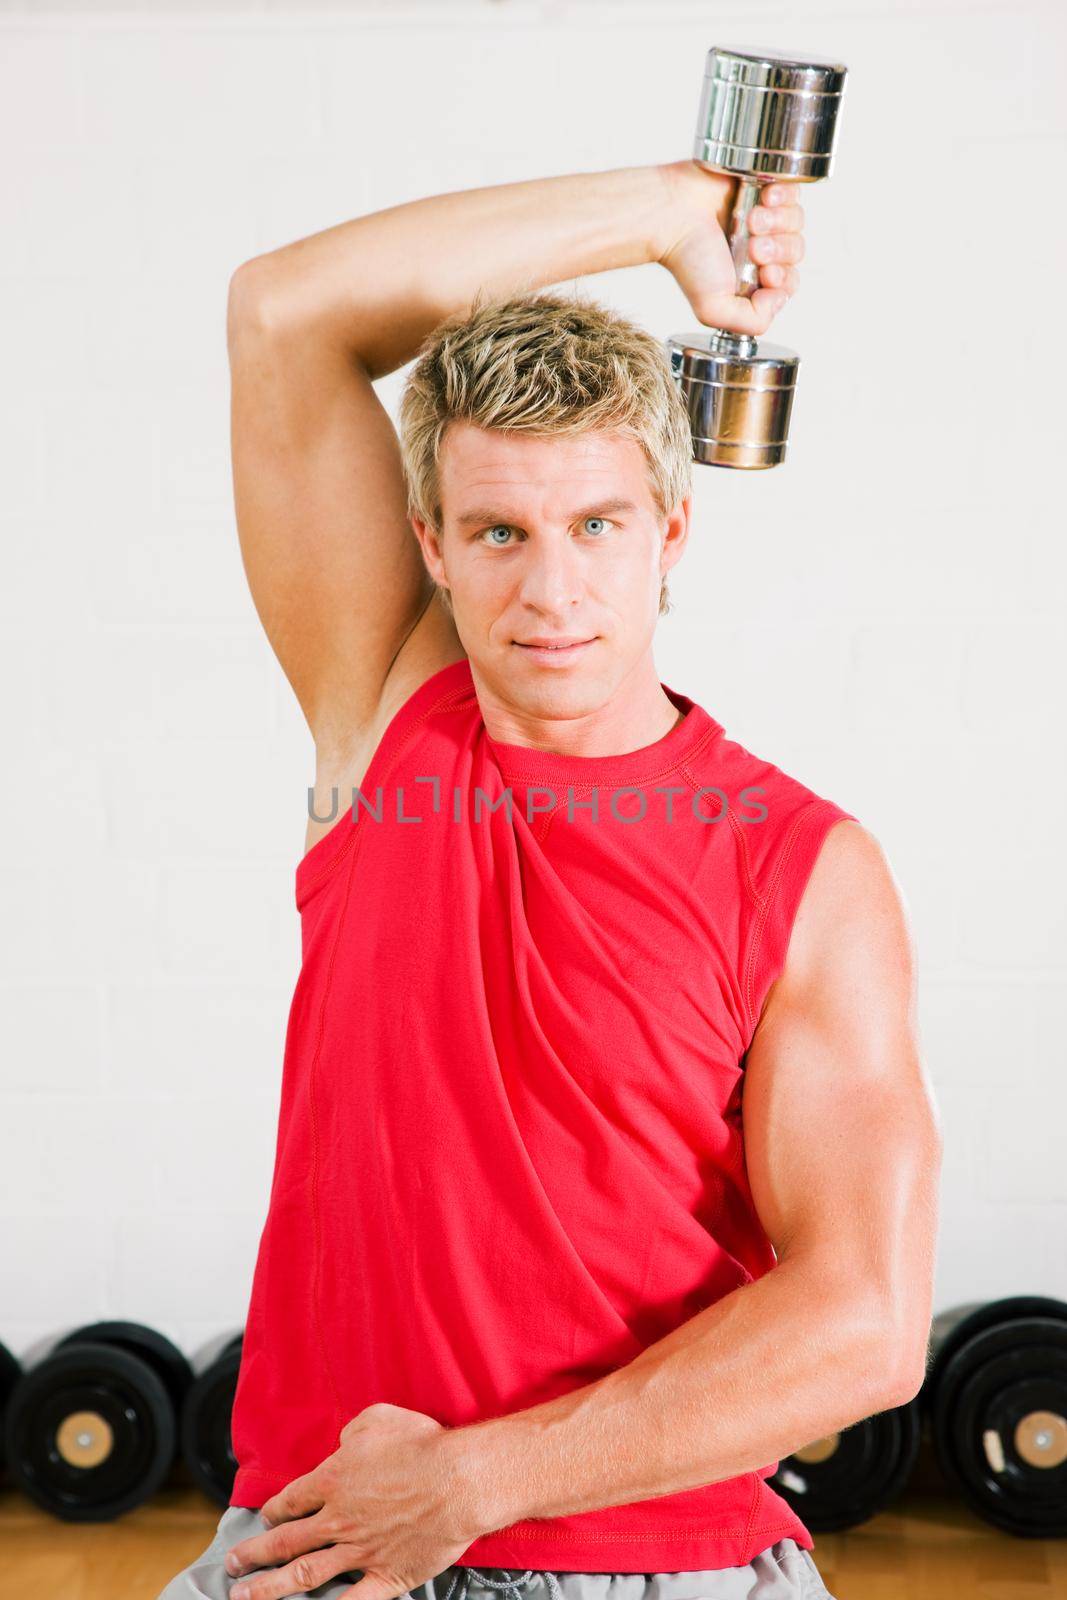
(377, 285)
(761, 1373)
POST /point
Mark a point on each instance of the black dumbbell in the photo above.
(205, 1423)
(996, 1395)
(10, 1372)
(91, 1430)
(846, 1478)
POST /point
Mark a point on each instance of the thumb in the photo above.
(751, 314)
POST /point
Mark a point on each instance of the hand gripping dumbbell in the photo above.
(763, 118)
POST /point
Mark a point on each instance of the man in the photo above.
(528, 1289)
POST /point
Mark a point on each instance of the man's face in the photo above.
(551, 539)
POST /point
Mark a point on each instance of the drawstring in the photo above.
(511, 1587)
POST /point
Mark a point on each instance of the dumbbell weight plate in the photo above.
(90, 1432)
(998, 1408)
(846, 1478)
(164, 1357)
(205, 1425)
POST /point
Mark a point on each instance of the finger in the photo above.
(766, 304)
(776, 219)
(297, 1499)
(778, 277)
(787, 247)
(297, 1577)
(288, 1539)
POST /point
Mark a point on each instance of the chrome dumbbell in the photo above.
(764, 118)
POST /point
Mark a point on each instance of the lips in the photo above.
(551, 644)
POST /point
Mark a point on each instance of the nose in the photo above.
(551, 577)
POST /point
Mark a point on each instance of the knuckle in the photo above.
(302, 1572)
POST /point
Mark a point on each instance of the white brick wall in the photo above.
(883, 617)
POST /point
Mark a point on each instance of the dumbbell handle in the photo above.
(747, 270)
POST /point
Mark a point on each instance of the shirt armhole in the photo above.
(780, 900)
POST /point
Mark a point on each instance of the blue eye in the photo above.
(601, 526)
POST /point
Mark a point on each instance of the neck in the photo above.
(635, 714)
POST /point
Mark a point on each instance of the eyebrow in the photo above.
(473, 518)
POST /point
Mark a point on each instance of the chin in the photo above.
(558, 694)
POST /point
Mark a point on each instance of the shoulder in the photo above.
(852, 934)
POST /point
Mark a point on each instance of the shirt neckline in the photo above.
(526, 763)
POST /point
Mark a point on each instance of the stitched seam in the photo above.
(762, 915)
(445, 703)
(738, 832)
(757, 1485)
(742, 845)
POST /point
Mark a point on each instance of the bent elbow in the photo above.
(249, 306)
(908, 1386)
(893, 1371)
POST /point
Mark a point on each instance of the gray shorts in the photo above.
(783, 1571)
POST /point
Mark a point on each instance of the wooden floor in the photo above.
(926, 1548)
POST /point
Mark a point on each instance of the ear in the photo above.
(676, 534)
(430, 544)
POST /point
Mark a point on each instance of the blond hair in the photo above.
(546, 364)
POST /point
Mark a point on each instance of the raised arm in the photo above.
(334, 567)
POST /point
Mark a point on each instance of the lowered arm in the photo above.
(843, 1154)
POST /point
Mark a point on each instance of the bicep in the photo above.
(332, 562)
(841, 1138)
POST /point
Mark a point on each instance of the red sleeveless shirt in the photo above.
(510, 1150)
